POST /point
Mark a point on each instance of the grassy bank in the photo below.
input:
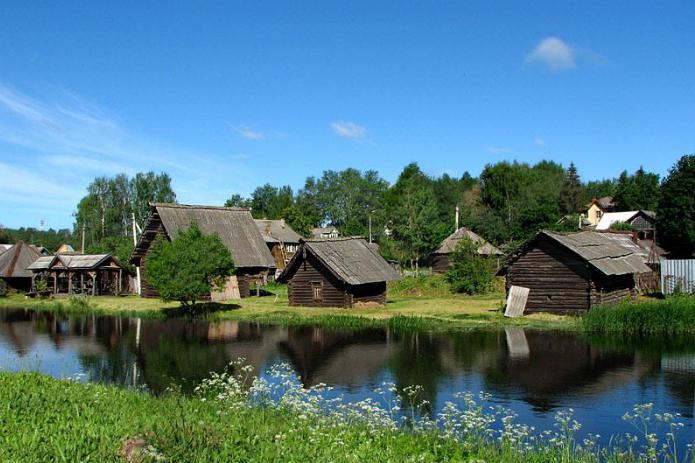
(44, 419)
(674, 315)
(412, 304)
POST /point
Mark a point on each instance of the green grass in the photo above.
(44, 419)
(674, 315)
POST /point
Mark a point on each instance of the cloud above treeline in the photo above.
(247, 132)
(556, 55)
(349, 130)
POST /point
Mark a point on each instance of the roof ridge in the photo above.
(200, 206)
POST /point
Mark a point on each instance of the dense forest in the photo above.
(506, 203)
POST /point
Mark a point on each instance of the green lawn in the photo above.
(421, 308)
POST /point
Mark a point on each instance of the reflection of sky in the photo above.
(599, 408)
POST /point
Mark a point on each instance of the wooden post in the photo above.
(33, 282)
(55, 283)
(81, 282)
(120, 278)
(94, 284)
(69, 283)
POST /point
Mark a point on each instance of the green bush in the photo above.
(421, 286)
(3, 288)
(673, 315)
(187, 268)
(470, 272)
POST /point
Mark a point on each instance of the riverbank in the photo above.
(45, 419)
(448, 312)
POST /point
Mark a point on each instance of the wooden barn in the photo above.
(575, 271)
(337, 273)
(282, 241)
(234, 226)
(440, 257)
(89, 274)
(13, 265)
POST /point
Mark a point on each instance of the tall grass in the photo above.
(673, 315)
(237, 417)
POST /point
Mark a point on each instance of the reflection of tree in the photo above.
(417, 361)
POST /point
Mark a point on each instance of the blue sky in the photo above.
(230, 95)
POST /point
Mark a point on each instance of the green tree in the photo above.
(236, 200)
(188, 267)
(470, 272)
(119, 246)
(599, 188)
(572, 196)
(638, 191)
(676, 209)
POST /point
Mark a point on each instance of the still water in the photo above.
(534, 373)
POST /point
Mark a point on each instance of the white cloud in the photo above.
(539, 142)
(88, 164)
(554, 53)
(349, 130)
(240, 157)
(499, 150)
(246, 132)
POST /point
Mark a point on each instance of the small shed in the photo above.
(235, 227)
(440, 257)
(281, 239)
(13, 265)
(573, 272)
(90, 274)
(337, 272)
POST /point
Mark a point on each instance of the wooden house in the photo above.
(440, 257)
(575, 271)
(89, 274)
(282, 241)
(235, 227)
(13, 265)
(597, 208)
(337, 273)
(642, 222)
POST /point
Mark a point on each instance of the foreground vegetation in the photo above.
(673, 315)
(236, 417)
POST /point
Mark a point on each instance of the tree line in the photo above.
(507, 203)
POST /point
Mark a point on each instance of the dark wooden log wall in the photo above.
(440, 263)
(558, 280)
(308, 271)
(612, 290)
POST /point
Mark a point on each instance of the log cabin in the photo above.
(572, 272)
(235, 227)
(338, 272)
(440, 257)
(282, 241)
(13, 265)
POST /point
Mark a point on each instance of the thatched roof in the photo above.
(451, 241)
(351, 260)
(609, 253)
(277, 231)
(233, 225)
(14, 261)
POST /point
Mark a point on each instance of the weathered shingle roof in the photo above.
(73, 261)
(274, 231)
(449, 244)
(234, 226)
(42, 263)
(351, 260)
(14, 261)
(611, 254)
(610, 218)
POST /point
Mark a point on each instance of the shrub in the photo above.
(621, 226)
(470, 272)
(3, 288)
(187, 268)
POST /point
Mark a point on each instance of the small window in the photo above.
(317, 290)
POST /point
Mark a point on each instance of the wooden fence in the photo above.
(678, 275)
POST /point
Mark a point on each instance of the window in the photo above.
(317, 290)
(599, 214)
(290, 248)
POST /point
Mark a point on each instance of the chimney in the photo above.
(457, 218)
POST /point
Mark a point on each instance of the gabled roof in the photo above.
(351, 260)
(233, 225)
(449, 244)
(276, 231)
(14, 261)
(608, 253)
(606, 202)
(74, 262)
(610, 218)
